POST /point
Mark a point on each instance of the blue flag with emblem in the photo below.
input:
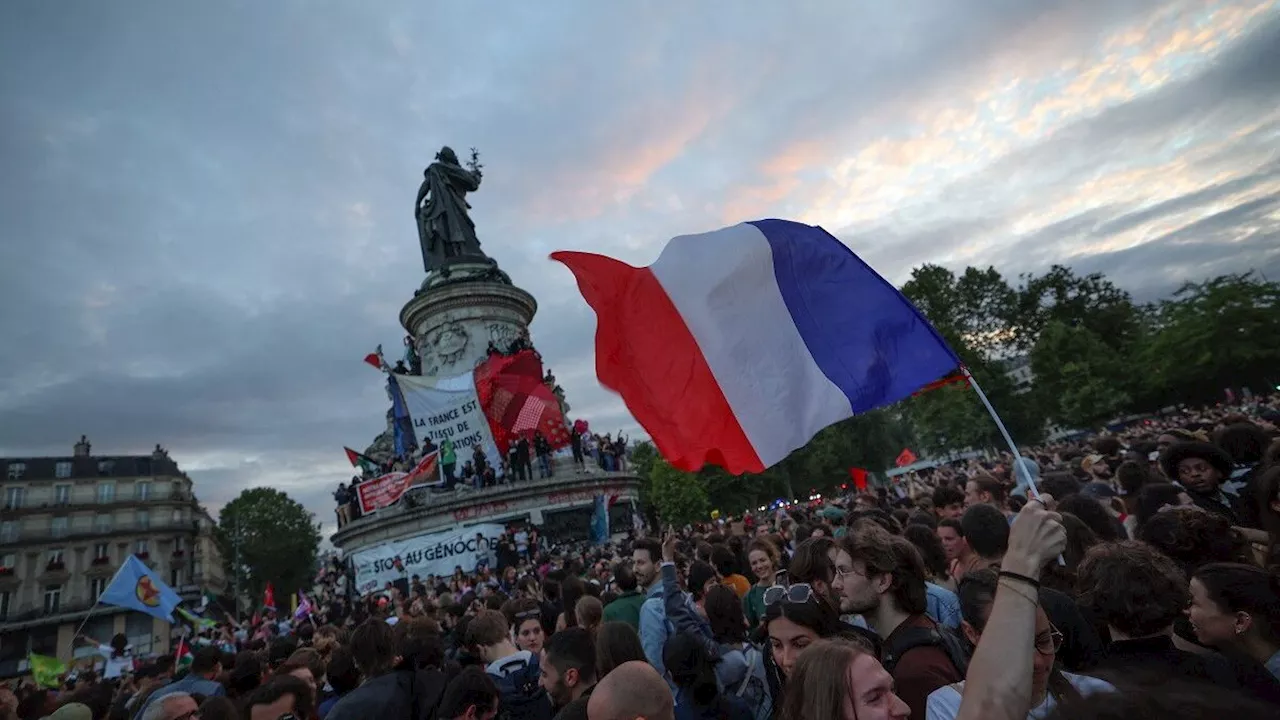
(137, 587)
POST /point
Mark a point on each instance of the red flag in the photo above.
(905, 458)
(517, 401)
(374, 360)
(955, 377)
(859, 478)
(269, 597)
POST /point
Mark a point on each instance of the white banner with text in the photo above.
(422, 555)
(447, 408)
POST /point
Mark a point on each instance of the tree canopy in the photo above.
(275, 539)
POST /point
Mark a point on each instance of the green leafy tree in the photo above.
(972, 311)
(1224, 332)
(1091, 302)
(678, 497)
(266, 536)
(1080, 380)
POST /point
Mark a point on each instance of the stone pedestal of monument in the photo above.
(454, 319)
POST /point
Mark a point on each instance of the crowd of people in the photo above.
(1140, 582)
(588, 452)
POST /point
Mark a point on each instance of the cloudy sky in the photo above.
(205, 207)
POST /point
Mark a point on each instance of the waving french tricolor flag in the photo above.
(737, 346)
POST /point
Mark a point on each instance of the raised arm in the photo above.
(998, 684)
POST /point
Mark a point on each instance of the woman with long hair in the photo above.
(1236, 606)
(795, 617)
(764, 560)
(1050, 687)
(616, 643)
(118, 654)
(740, 670)
(840, 680)
(698, 695)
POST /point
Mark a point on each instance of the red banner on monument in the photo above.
(387, 490)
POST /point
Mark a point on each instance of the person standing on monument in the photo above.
(448, 462)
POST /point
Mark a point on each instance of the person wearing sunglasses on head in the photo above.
(1050, 686)
(795, 617)
(524, 616)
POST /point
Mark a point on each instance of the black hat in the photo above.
(1212, 454)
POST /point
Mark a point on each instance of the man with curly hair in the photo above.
(1138, 593)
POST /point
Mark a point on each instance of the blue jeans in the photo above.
(544, 463)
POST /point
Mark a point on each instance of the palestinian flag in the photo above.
(183, 654)
(367, 464)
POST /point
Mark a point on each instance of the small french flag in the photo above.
(737, 346)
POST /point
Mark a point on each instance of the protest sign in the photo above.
(448, 408)
(387, 489)
(429, 554)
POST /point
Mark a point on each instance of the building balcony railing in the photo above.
(46, 535)
(75, 610)
(57, 506)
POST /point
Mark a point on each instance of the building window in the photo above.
(142, 549)
(106, 492)
(177, 516)
(52, 599)
(8, 563)
(14, 496)
(4, 604)
(179, 545)
(59, 527)
(61, 495)
(142, 490)
(102, 523)
(97, 586)
(17, 470)
(175, 578)
(8, 531)
(62, 469)
(55, 556)
(144, 519)
(106, 466)
(101, 551)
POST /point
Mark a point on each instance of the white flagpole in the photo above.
(96, 602)
(1004, 432)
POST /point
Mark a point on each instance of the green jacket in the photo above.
(626, 608)
(753, 605)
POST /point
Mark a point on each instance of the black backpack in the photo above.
(522, 698)
(910, 638)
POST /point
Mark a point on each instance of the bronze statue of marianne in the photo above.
(445, 230)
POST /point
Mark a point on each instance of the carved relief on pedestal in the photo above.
(448, 344)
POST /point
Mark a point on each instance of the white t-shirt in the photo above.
(115, 666)
(944, 703)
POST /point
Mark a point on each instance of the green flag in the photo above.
(46, 670)
(195, 620)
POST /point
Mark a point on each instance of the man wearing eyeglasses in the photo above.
(887, 587)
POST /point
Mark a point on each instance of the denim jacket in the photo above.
(663, 614)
